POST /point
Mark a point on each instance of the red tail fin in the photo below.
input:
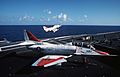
(32, 37)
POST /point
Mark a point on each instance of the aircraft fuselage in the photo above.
(63, 49)
(55, 49)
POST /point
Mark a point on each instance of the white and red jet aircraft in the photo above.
(55, 53)
(54, 28)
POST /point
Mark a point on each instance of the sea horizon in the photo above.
(15, 32)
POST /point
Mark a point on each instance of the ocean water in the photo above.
(15, 32)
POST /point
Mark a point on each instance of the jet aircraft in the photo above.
(54, 28)
(57, 53)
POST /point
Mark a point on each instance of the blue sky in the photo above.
(43, 12)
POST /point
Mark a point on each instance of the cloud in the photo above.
(49, 12)
(48, 19)
(65, 17)
(45, 10)
(54, 17)
(42, 19)
(85, 16)
(20, 19)
(26, 18)
(62, 17)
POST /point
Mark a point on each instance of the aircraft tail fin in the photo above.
(29, 36)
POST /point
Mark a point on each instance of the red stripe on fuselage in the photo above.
(47, 61)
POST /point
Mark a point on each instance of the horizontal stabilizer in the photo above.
(50, 60)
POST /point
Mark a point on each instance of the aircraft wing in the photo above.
(63, 39)
(58, 40)
(50, 60)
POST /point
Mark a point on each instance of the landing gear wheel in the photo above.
(38, 48)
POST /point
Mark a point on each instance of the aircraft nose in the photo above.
(102, 53)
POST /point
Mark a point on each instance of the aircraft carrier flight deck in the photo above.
(16, 61)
